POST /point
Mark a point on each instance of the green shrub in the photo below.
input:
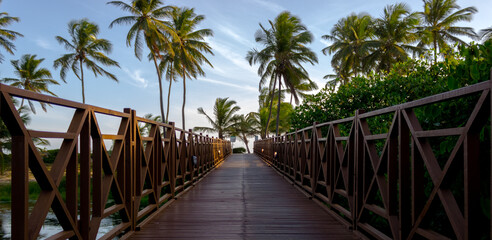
(239, 150)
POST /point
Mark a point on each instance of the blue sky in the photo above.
(234, 24)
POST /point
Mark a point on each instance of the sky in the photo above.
(234, 24)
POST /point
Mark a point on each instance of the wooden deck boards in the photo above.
(243, 199)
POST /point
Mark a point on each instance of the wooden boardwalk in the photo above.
(244, 199)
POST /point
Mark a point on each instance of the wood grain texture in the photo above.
(244, 199)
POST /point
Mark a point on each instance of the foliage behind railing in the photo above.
(398, 173)
(132, 180)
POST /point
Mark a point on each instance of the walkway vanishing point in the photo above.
(244, 199)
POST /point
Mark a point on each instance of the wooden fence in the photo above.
(419, 170)
(132, 181)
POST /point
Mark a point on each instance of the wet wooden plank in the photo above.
(244, 199)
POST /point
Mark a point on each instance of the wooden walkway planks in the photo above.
(244, 199)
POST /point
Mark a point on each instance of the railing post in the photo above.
(314, 159)
(172, 159)
(490, 144)
(20, 193)
(405, 181)
(130, 168)
(353, 170)
(85, 176)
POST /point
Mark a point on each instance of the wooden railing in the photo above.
(398, 173)
(132, 181)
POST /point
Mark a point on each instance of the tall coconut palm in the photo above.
(486, 34)
(438, 24)
(7, 36)
(170, 70)
(394, 34)
(85, 49)
(223, 117)
(349, 48)
(188, 44)
(146, 25)
(31, 77)
(283, 54)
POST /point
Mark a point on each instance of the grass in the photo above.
(6, 189)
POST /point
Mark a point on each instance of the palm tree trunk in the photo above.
(169, 93)
(278, 104)
(270, 108)
(245, 140)
(82, 80)
(435, 48)
(160, 87)
(184, 99)
(291, 99)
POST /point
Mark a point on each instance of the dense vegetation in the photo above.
(407, 81)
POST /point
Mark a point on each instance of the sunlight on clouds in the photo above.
(243, 87)
(139, 81)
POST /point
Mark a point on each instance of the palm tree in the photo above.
(244, 127)
(438, 24)
(224, 118)
(486, 34)
(303, 87)
(188, 45)
(349, 48)
(394, 34)
(85, 49)
(145, 128)
(283, 54)
(30, 77)
(146, 24)
(169, 69)
(6, 36)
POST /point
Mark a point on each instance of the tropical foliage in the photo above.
(245, 126)
(394, 33)
(85, 50)
(189, 46)
(146, 25)
(31, 77)
(6, 35)
(282, 57)
(486, 34)
(361, 44)
(223, 118)
(406, 81)
(349, 47)
(438, 28)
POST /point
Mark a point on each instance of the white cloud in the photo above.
(136, 76)
(232, 56)
(243, 87)
(270, 6)
(43, 44)
(234, 35)
(325, 42)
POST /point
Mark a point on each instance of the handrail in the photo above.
(139, 170)
(389, 183)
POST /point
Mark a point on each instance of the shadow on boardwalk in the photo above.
(244, 199)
